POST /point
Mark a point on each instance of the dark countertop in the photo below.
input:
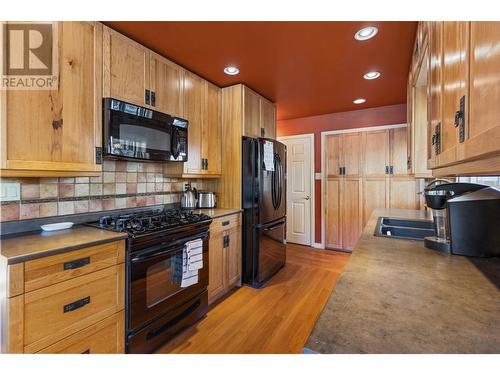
(396, 296)
(40, 244)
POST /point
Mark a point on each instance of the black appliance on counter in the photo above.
(467, 219)
(157, 307)
(264, 209)
(134, 132)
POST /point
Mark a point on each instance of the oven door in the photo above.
(155, 281)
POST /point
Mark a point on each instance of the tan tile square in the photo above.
(95, 189)
(131, 188)
(29, 211)
(109, 189)
(81, 206)
(150, 187)
(66, 180)
(121, 177)
(95, 205)
(66, 190)
(141, 201)
(49, 180)
(141, 188)
(150, 167)
(108, 204)
(131, 202)
(141, 177)
(81, 190)
(150, 177)
(9, 212)
(121, 166)
(132, 177)
(120, 203)
(49, 190)
(96, 180)
(108, 177)
(30, 191)
(82, 180)
(109, 166)
(141, 167)
(131, 166)
(65, 208)
(48, 209)
(121, 188)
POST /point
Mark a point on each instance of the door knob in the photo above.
(307, 197)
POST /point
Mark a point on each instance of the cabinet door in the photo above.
(251, 113)
(126, 68)
(58, 130)
(211, 147)
(267, 118)
(403, 193)
(484, 119)
(194, 88)
(351, 149)
(333, 214)
(352, 215)
(166, 84)
(435, 89)
(216, 267)
(232, 255)
(375, 195)
(376, 153)
(455, 86)
(410, 91)
(333, 153)
(398, 151)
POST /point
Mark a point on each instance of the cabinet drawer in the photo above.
(105, 337)
(53, 269)
(225, 223)
(60, 310)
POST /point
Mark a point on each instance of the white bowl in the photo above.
(57, 226)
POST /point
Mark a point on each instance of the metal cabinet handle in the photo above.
(86, 351)
(76, 263)
(76, 305)
(225, 223)
(147, 96)
(307, 197)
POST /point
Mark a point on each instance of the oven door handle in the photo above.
(150, 253)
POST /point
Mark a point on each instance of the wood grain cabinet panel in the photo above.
(455, 86)
(398, 152)
(193, 108)
(251, 113)
(166, 82)
(126, 68)
(483, 136)
(211, 141)
(351, 150)
(351, 212)
(376, 153)
(105, 337)
(334, 213)
(267, 118)
(225, 256)
(403, 193)
(376, 194)
(56, 311)
(55, 132)
(435, 90)
(334, 155)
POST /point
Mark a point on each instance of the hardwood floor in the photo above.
(275, 319)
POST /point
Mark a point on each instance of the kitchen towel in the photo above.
(194, 250)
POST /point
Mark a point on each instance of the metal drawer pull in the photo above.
(86, 351)
(76, 263)
(225, 223)
(76, 305)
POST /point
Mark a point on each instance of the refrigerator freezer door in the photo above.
(271, 251)
(272, 184)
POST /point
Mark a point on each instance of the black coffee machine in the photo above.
(466, 219)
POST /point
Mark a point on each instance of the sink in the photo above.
(403, 228)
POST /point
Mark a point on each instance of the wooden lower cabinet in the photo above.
(333, 214)
(403, 193)
(225, 256)
(71, 302)
(375, 195)
(105, 337)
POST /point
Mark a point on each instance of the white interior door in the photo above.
(299, 185)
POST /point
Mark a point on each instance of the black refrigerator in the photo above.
(264, 209)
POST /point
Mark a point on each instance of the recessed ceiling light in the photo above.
(372, 75)
(231, 70)
(359, 101)
(366, 33)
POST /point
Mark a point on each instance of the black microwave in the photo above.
(134, 132)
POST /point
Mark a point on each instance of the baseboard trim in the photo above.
(317, 245)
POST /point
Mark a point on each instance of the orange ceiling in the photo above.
(307, 68)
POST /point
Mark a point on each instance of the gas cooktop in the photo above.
(146, 222)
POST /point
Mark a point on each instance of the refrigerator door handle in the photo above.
(267, 229)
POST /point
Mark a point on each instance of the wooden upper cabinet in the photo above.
(268, 118)
(194, 88)
(455, 86)
(351, 149)
(376, 153)
(398, 148)
(484, 116)
(251, 113)
(334, 155)
(55, 132)
(166, 84)
(435, 91)
(126, 68)
(211, 145)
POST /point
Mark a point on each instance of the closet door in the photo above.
(351, 206)
(351, 149)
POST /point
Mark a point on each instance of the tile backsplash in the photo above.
(122, 184)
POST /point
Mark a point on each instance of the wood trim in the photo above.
(15, 279)
(98, 90)
(3, 111)
(45, 173)
(15, 324)
(106, 61)
(487, 166)
(52, 165)
(367, 129)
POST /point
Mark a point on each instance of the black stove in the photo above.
(148, 222)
